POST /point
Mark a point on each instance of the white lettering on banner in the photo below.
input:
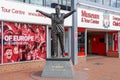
(8, 38)
(23, 38)
(89, 17)
(116, 21)
(18, 38)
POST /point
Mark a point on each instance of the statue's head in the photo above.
(57, 8)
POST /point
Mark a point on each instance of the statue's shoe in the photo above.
(55, 56)
(63, 55)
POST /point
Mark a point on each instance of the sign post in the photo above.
(74, 34)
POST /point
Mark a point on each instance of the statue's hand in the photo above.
(37, 10)
(74, 10)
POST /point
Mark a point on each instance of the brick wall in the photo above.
(113, 54)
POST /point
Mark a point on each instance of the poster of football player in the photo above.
(23, 42)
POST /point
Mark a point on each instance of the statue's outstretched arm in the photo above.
(46, 14)
(68, 14)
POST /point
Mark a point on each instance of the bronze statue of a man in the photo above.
(57, 28)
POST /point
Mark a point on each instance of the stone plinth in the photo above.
(58, 68)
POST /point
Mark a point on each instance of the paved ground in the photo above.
(104, 68)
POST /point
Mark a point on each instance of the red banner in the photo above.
(23, 42)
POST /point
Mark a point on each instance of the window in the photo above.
(18, 0)
(49, 2)
(107, 2)
(68, 2)
(118, 3)
(27, 1)
(110, 42)
(92, 0)
(113, 3)
(37, 2)
(99, 1)
(81, 43)
(65, 4)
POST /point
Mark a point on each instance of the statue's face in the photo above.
(57, 8)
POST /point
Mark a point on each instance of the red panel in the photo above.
(112, 32)
(66, 29)
(98, 47)
(112, 51)
(81, 29)
(116, 42)
(81, 52)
